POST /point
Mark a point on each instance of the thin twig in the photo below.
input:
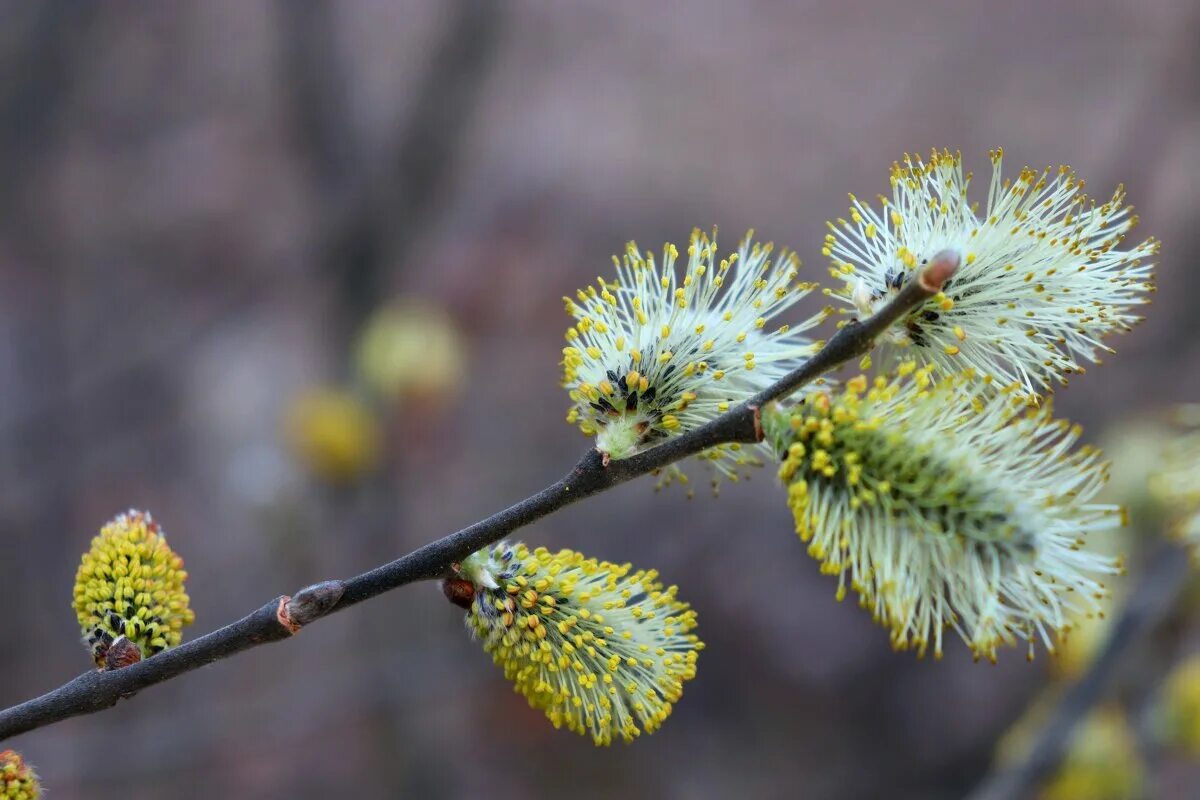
(1151, 601)
(284, 616)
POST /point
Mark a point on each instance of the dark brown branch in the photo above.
(1150, 602)
(284, 616)
(96, 691)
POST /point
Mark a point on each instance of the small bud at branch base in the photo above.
(939, 270)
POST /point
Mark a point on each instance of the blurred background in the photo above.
(289, 274)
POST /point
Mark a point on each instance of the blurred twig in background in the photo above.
(377, 210)
(39, 75)
(1150, 602)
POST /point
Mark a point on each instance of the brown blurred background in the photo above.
(202, 203)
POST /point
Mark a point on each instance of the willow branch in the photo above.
(1150, 602)
(284, 616)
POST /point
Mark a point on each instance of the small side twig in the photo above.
(1150, 601)
(282, 617)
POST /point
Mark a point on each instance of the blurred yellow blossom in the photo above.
(1177, 480)
(411, 347)
(1101, 764)
(1135, 449)
(1177, 718)
(333, 434)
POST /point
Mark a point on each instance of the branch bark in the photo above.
(285, 616)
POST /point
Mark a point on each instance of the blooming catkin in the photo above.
(598, 647)
(1045, 273)
(654, 354)
(944, 506)
(17, 779)
(129, 586)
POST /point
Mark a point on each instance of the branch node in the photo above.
(758, 428)
(311, 603)
(284, 618)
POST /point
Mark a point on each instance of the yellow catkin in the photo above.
(602, 649)
(1040, 250)
(17, 779)
(131, 584)
(659, 350)
(944, 507)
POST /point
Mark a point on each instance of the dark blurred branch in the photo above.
(1149, 604)
(317, 79)
(284, 616)
(377, 211)
(31, 96)
(439, 117)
